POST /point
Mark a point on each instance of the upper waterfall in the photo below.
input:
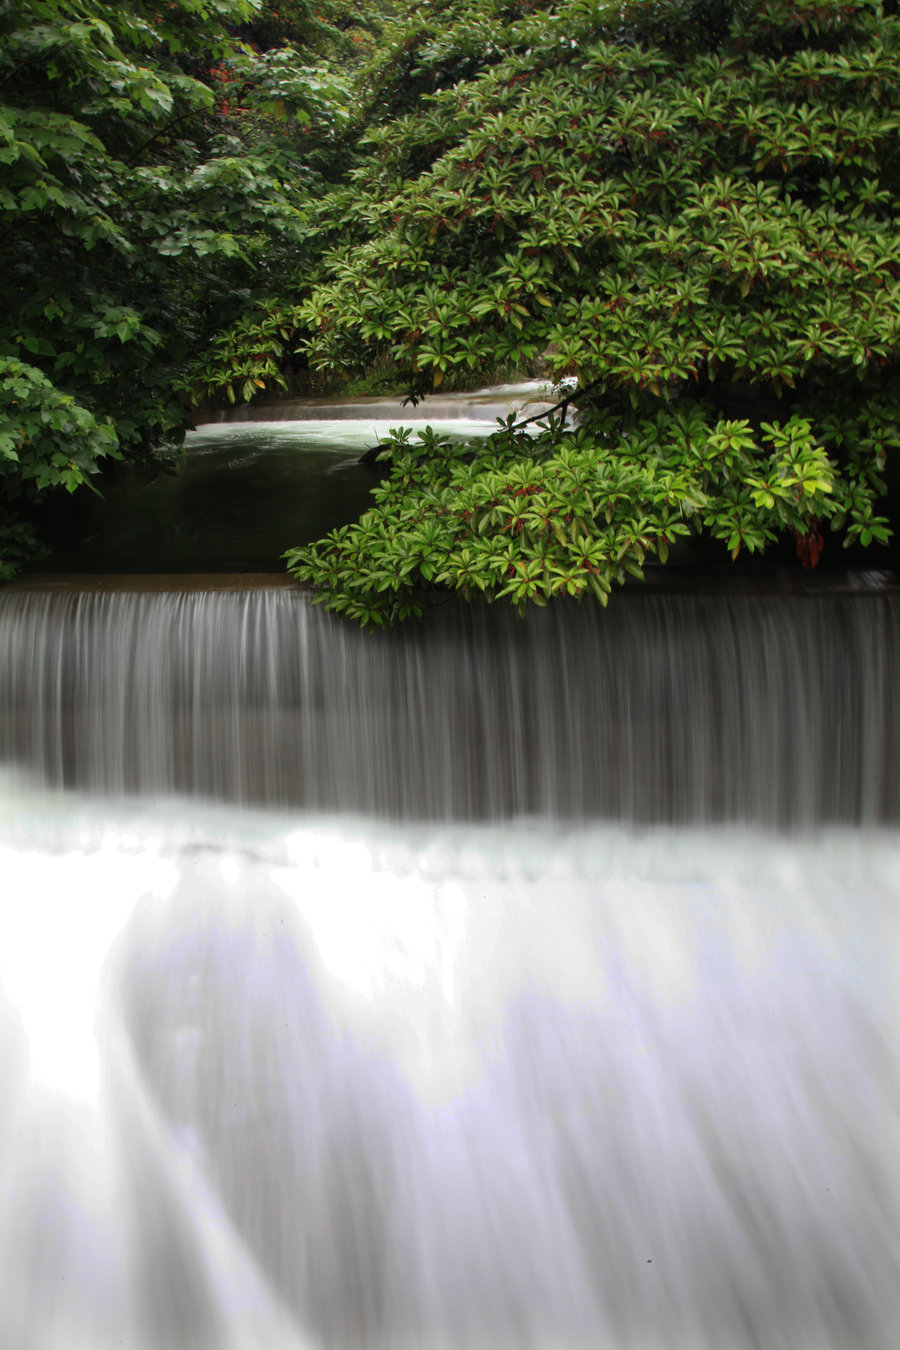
(528, 397)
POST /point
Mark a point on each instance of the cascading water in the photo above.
(491, 984)
(478, 409)
(777, 710)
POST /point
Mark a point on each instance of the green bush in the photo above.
(689, 211)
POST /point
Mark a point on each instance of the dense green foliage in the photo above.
(682, 211)
(153, 185)
(689, 210)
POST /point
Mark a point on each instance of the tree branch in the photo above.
(563, 404)
(185, 117)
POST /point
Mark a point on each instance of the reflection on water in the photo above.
(320, 1082)
(234, 501)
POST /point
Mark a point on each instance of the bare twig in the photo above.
(563, 404)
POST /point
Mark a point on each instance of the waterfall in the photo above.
(492, 983)
(481, 406)
(669, 708)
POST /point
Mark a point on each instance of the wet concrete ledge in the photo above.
(154, 582)
(728, 580)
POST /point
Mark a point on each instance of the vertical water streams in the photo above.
(766, 708)
(494, 984)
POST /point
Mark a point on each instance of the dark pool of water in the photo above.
(236, 498)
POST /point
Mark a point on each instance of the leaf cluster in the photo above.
(689, 211)
(155, 187)
(528, 515)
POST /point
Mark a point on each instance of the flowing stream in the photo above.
(490, 985)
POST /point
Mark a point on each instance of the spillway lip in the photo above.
(729, 580)
(155, 582)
